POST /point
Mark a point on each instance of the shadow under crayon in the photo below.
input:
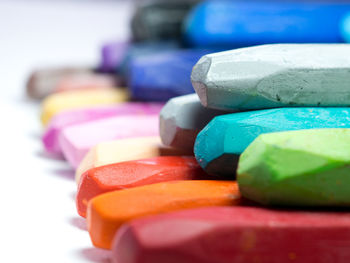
(66, 173)
(78, 222)
(51, 156)
(96, 255)
(35, 135)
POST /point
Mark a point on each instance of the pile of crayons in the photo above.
(249, 168)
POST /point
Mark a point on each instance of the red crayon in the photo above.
(129, 174)
(235, 235)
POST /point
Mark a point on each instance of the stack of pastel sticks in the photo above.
(253, 167)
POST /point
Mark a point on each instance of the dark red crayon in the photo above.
(235, 235)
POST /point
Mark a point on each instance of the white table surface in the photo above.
(38, 219)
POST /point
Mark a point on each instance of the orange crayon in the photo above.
(129, 174)
(107, 212)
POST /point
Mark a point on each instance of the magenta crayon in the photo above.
(69, 118)
(75, 141)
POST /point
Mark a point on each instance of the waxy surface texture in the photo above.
(182, 118)
(70, 100)
(68, 118)
(245, 23)
(75, 141)
(274, 76)
(218, 145)
(107, 212)
(124, 150)
(163, 75)
(235, 234)
(300, 168)
(130, 174)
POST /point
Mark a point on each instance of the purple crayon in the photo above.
(75, 141)
(112, 55)
(69, 118)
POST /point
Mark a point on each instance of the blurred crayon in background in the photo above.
(160, 20)
(112, 54)
(169, 37)
(162, 76)
(234, 24)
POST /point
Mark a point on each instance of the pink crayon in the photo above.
(69, 118)
(235, 234)
(75, 141)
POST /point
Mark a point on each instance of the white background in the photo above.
(38, 220)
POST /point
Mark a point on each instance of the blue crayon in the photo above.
(237, 23)
(143, 49)
(164, 75)
(219, 144)
(346, 28)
